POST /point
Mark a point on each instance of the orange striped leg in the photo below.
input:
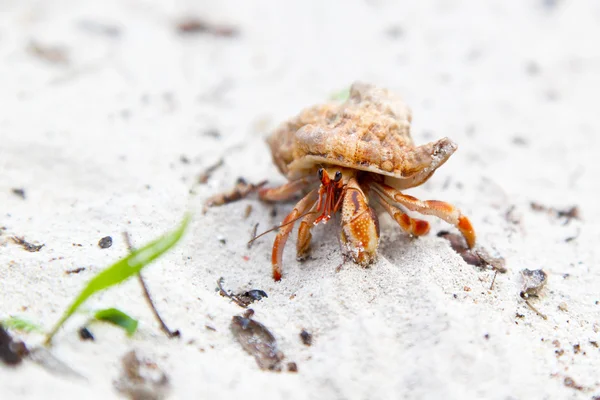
(286, 227)
(285, 191)
(412, 226)
(304, 235)
(440, 209)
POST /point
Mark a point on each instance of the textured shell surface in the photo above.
(369, 132)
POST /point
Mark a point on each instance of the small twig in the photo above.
(74, 271)
(252, 236)
(239, 191)
(232, 297)
(222, 291)
(203, 178)
(279, 226)
(510, 216)
(163, 326)
(544, 316)
(567, 213)
(345, 258)
(51, 54)
(248, 211)
(493, 280)
(26, 245)
(571, 238)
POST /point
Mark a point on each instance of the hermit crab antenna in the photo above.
(280, 226)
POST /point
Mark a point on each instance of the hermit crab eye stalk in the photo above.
(320, 173)
(338, 176)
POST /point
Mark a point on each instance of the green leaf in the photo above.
(123, 270)
(20, 324)
(341, 95)
(118, 318)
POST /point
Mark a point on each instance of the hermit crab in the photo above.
(355, 158)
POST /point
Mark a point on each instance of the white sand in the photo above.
(96, 144)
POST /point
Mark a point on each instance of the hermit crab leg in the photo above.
(286, 227)
(304, 235)
(440, 209)
(412, 226)
(285, 191)
(331, 194)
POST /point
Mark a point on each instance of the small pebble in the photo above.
(306, 337)
(292, 367)
(85, 334)
(105, 242)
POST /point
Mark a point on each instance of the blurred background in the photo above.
(149, 85)
(190, 74)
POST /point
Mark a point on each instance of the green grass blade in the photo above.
(118, 318)
(20, 324)
(123, 270)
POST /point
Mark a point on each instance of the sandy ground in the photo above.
(110, 133)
